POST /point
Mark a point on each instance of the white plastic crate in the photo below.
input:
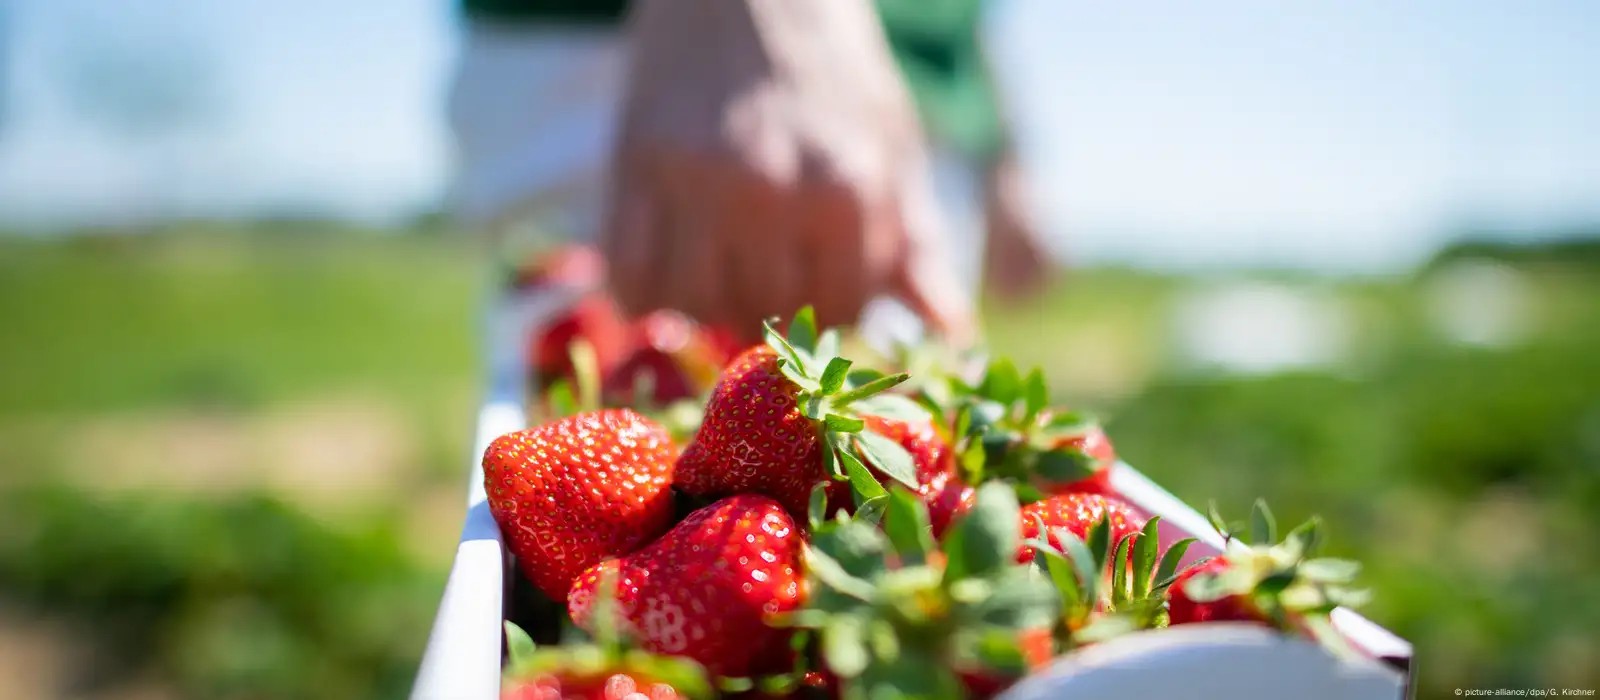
(464, 652)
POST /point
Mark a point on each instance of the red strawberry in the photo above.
(570, 493)
(1234, 608)
(937, 484)
(1278, 585)
(573, 266)
(594, 319)
(673, 355)
(1077, 512)
(775, 424)
(1094, 443)
(605, 670)
(1038, 647)
(929, 607)
(705, 590)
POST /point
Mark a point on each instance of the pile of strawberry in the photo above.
(831, 530)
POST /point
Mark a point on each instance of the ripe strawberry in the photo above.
(1077, 512)
(939, 487)
(605, 670)
(1274, 584)
(777, 425)
(594, 319)
(894, 613)
(1005, 417)
(1092, 442)
(571, 266)
(570, 493)
(706, 589)
(673, 356)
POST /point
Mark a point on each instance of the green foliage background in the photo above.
(1466, 478)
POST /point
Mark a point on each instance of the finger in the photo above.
(630, 241)
(831, 238)
(766, 275)
(696, 258)
(924, 275)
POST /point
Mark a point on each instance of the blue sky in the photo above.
(1335, 133)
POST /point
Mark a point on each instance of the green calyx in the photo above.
(607, 652)
(1002, 428)
(835, 397)
(1284, 580)
(891, 611)
(1096, 605)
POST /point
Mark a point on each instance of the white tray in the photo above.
(463, 656)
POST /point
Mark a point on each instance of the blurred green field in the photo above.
(232, 461)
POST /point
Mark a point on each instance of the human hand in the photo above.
(769, 157)
(1016, 262)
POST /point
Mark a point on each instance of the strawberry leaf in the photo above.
(1065, 465)
(586, 369)
(562, 402)
(888, 456)
(817, 508)
(834, 375)
(871, 510)
(864, 375)
(1304, 540)
(989, 533)
(863, 486)
(1035, 394)
(844, 647)
(1065, 578)
(519, 645)
(892, 406)
(1144, 558)
(803, 330)
(1217, 521)
(1263, 528)
(843, 424)
(1084, 563)
(998, 652)
(834, 445)
(1020, 600)
(832, 574)
(794, 371)
(684, 675)
(908, 528)
(1170, 562)
(1001, 383)
(1330, 570)
(780, 344)
(1100, 539)
(875, 386)
(1120, 592)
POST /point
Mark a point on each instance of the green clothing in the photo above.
(935, 43)
(599, 12)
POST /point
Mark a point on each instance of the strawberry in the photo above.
(779, 422)
(1091, 442)
(894, 615)
(593, 319)
(1078, 513)
(1014, 436)
(939, 487)
(570, 493)
(673, 356)
(1274, 584)
(571, 266)
(706, 588)
(608, 669)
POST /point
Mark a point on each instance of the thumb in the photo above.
(924, 276)
(933, 295)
